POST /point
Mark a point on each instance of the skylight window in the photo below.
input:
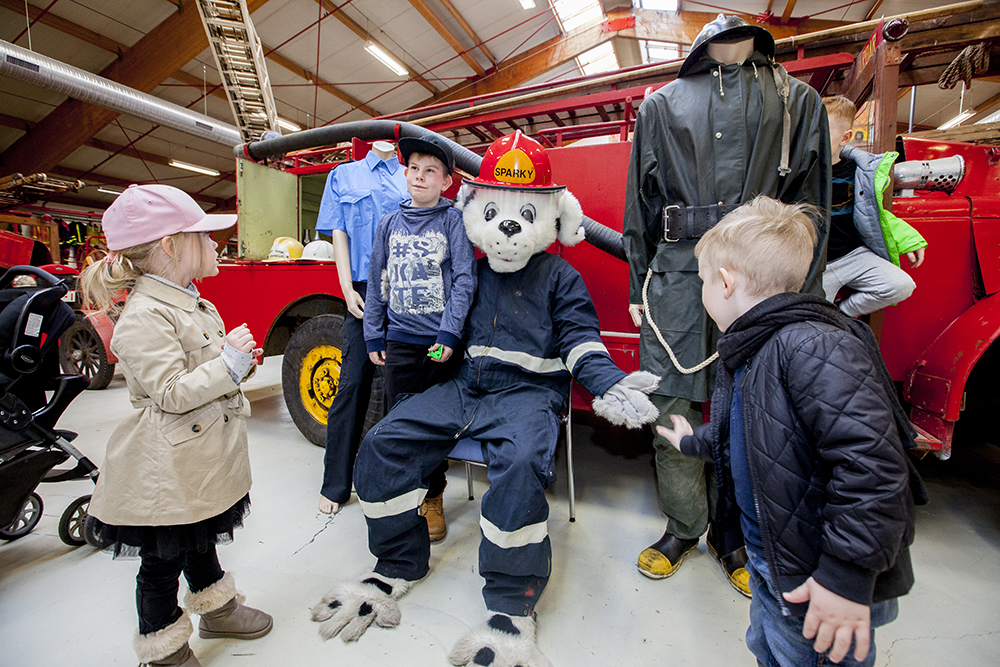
(661, 5)
(599, 59)
(654, 52)
(575, 13)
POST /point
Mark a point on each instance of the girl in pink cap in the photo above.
(176, 478)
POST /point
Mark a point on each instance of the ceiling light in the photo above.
(194, 168)
(109, 191)
(385, 58)
(288, 125)
(528, 4)
(960, 118)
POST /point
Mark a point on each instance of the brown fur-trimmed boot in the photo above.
(167, 647)
(223, 613)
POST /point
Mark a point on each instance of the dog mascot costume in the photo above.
(531, 326)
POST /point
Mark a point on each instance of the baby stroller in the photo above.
(32, 317)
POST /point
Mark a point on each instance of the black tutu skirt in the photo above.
(170, 542)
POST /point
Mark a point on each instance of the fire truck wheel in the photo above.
(310, 374)
(81, 352)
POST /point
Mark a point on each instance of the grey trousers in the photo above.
(877, 282)
(685, 486)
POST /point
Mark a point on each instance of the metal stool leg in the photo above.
(468, 478)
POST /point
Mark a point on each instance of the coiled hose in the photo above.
(598, 235)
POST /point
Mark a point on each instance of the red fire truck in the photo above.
(937, 343)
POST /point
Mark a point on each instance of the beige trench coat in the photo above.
(182, 455)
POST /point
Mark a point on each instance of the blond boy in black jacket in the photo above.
(808, 440)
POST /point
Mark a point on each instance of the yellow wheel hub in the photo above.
(319, 378)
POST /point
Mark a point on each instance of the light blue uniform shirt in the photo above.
(356, 196)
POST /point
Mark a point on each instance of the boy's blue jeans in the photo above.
(777, 640)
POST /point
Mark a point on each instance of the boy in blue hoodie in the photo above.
(808, 441)
(422, 278)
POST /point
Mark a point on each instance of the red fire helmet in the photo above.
(516, 162)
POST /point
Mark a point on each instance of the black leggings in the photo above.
(157, 585)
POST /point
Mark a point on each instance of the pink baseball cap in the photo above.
(145, 213)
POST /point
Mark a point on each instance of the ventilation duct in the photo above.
(38, 70)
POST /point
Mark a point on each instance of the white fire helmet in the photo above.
(319, 250)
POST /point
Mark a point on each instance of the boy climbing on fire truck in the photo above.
(866, 239)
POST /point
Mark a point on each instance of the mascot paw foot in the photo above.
(352, 606)
(502, 641)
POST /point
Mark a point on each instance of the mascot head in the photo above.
(513, 211)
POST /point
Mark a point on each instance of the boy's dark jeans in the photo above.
(157, 584)
(776, 640)
(408, 370)
(346, 418)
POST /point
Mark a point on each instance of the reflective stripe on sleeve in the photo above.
(393, 506)
(533, 534)
(523, 359)
(582, 349)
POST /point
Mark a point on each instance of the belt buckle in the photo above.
(666, 223)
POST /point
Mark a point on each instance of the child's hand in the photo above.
(446, 352)
(834, 620)
(916, 257)
(378, 358)
(681, 428)
(241, 339)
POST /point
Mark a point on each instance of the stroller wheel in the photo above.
(71, 524)
(26, 520)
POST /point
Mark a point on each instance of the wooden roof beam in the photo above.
(787, 14)
(111, 45)
(871, 12)
(67, 172)
(360, 31)
(133, 152)
(144, 66)
(683, 27)
(424, 9)
(310, 76)
(480, 44)
(67, 27)
(521, 68)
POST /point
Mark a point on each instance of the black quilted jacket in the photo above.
(833, 486)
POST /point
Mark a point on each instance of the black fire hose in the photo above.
(600, 236)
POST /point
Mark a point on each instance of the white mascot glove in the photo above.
(626, 403)
(352, 606)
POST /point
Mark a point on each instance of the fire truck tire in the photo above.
(310, 373)
(82, 352)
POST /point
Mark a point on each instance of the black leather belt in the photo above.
(691, 222)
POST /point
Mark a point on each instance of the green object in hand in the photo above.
(436, 354)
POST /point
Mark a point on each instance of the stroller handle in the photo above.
(24, 270)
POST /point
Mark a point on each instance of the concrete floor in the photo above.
(75, 606)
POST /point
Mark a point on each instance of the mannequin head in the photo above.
(383, 149)
(730, 50)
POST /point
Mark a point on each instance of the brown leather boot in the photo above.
(236, 621)
(167, 647)
(223, 613)
(432, 509)
(182, 657)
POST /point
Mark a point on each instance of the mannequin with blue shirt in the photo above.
(356, 196)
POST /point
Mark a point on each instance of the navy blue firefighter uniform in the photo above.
(527, 332)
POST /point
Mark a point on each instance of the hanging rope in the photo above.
(663, 342)
(972, 60)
